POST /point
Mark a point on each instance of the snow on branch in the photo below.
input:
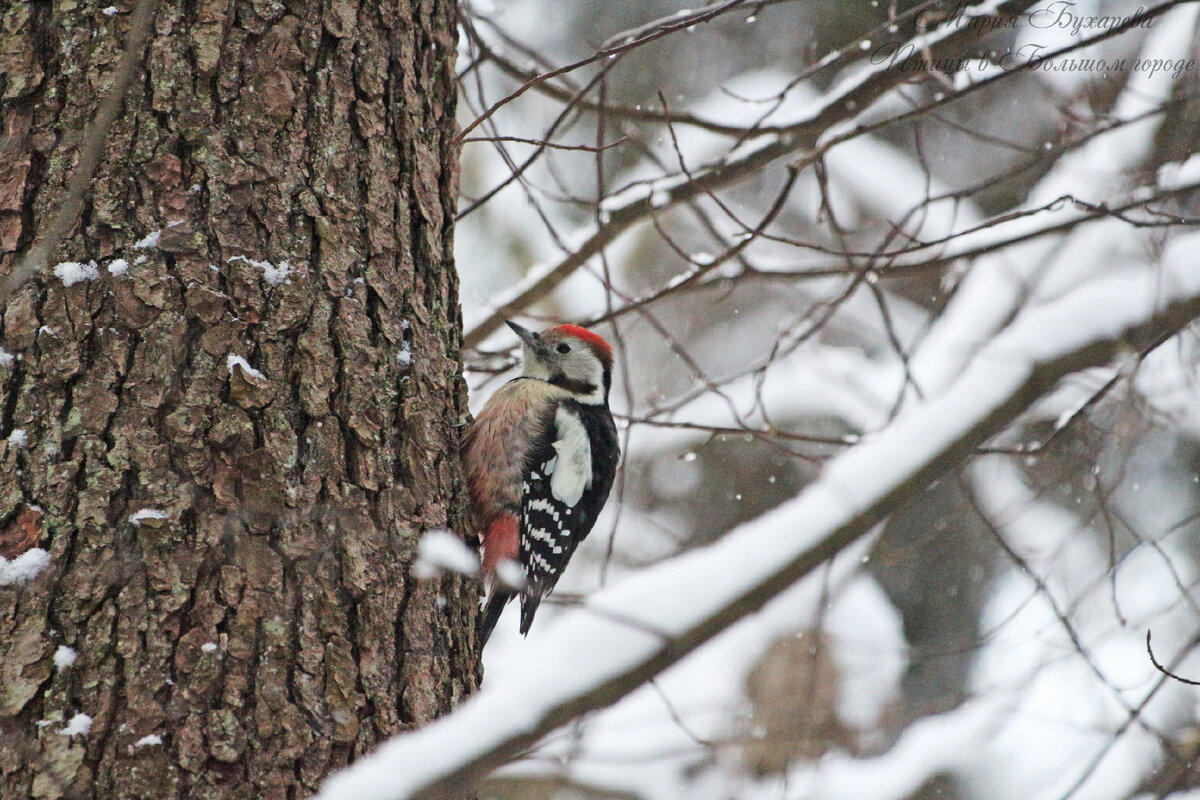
(441, 550)
(626, 633)
(1021, 261)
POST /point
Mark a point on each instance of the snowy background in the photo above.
(989, 638)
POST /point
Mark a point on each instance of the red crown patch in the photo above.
(595, 340)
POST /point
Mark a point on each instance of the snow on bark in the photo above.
(272, 273)
(24, 567)
(73, 272)
(78, 725)
(232, 361)
(64, 657)
(147, 515)
(149, 240)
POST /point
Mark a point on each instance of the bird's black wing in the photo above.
(562, 495)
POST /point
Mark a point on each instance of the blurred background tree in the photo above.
(800, 221)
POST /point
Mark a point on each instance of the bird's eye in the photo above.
(563, 348)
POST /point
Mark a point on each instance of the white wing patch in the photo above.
(572, 472)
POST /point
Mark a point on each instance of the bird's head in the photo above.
(568, 356)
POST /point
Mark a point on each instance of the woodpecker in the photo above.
(540, 460)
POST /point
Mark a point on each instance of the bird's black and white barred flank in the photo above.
(567, 484)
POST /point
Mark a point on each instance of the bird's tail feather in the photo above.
(529, 607)
(491, 613)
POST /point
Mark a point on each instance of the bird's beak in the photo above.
(527, 336)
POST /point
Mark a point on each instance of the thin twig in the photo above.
(1161, 668)
(587, 148)
(634, 41)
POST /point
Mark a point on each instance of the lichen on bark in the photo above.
(298, 161)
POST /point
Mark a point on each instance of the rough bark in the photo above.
(314, 132)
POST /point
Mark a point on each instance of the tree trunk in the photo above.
(297, 158)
